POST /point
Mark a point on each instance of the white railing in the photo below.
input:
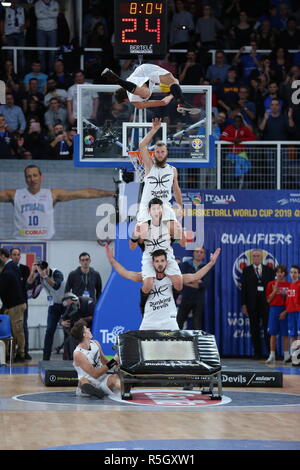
(267, 155)
(15, 50)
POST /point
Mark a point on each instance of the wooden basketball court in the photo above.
(256, 418)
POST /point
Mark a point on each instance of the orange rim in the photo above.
(138, 154)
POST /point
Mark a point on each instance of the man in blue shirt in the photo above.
(193, 297)
(217, 73)
(273, 94)
(14, 115)
(36, 73)
(249, 61)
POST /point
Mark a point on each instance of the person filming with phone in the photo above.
(35, 139)
(61, 147)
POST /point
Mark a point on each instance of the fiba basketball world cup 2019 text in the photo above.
(106, 228)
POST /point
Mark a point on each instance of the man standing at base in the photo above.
(34, 205)
(160, 309)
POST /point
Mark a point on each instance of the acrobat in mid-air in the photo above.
(139, 86)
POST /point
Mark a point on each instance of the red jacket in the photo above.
(231, 134)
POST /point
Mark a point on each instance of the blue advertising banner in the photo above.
(237, 221)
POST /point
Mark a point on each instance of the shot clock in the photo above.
(140, 28)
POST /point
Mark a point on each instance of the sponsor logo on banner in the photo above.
(249, 379)
(141, 49)
(195, 198)
(245, 259)
(220, 198)
(89, 140)
(293, 199)
(197, 143)
(111, 336)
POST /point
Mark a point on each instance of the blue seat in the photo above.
(5, 333)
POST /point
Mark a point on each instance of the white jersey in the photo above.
(93, 356)
(158, 239)
(33, 215)
(14, 19)
(160, 309)
(158, 183)
(145, 73)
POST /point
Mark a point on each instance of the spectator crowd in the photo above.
(39, 119)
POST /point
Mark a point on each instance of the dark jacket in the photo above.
(190, 293)
(11, 292)
(25, 273)
(75, 312)
(13, 269)
(250, 282)
(78, 282)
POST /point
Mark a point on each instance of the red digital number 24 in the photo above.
(134, 28)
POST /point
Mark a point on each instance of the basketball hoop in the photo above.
(136, 159)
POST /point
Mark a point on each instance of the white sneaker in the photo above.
(287, 360)
(270, 359)
(79, 393)
(186, 108)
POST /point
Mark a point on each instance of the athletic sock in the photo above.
(143, 300)
(272, 356)
(176, 91)
(128, 86)
(286, 355)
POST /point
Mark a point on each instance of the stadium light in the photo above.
(6, 4)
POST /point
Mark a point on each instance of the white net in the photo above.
(137, 162)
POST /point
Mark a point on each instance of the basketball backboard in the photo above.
(103, 139)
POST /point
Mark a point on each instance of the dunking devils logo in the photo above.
(158, 291)
(156, 243)
(160, 181)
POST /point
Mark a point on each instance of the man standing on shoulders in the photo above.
(84, 281)
(161, 180)
(254, 302)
